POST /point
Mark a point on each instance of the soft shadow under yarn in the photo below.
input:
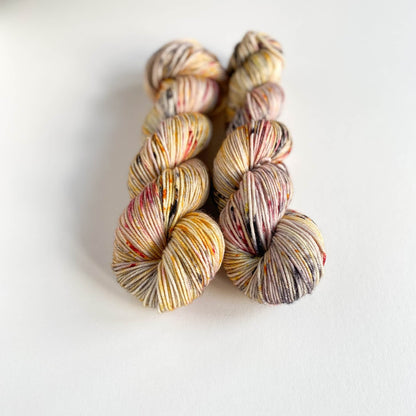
(100, 189)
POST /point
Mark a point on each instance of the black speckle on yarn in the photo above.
(284, 136)
(139, 159)
(309, 262)
(169, 93)
(297, 276)
(173, 209)
(199, 278)
(259, 243)
(219, 197)
(311, 267)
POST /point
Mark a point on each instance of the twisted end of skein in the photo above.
(273, 254)
(166, 252)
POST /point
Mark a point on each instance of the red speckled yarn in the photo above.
(165, 250)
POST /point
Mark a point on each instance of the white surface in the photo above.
(71, 105)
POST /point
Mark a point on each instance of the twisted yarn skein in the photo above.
(166, 252)
(273, 254)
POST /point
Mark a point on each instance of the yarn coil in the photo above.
(273, 254)
(165, 251)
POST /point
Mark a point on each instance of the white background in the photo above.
(72, 342)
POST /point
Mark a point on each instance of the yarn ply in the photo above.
(166, 252)
(273, 254)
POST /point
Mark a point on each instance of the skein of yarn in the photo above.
(166, 252)
(273, 254)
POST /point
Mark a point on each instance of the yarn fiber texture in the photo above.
(165, 251)
(273, 254)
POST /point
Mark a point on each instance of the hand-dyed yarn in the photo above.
(273, 254)
(165, 252)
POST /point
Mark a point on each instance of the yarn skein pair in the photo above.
(273, 254)
(165, 251)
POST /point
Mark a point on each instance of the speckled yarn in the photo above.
(273, 254)
(165, 252)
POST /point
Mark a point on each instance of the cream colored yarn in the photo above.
(166, 252)
(273, 254)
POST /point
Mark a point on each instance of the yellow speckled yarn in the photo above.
(166, 252)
